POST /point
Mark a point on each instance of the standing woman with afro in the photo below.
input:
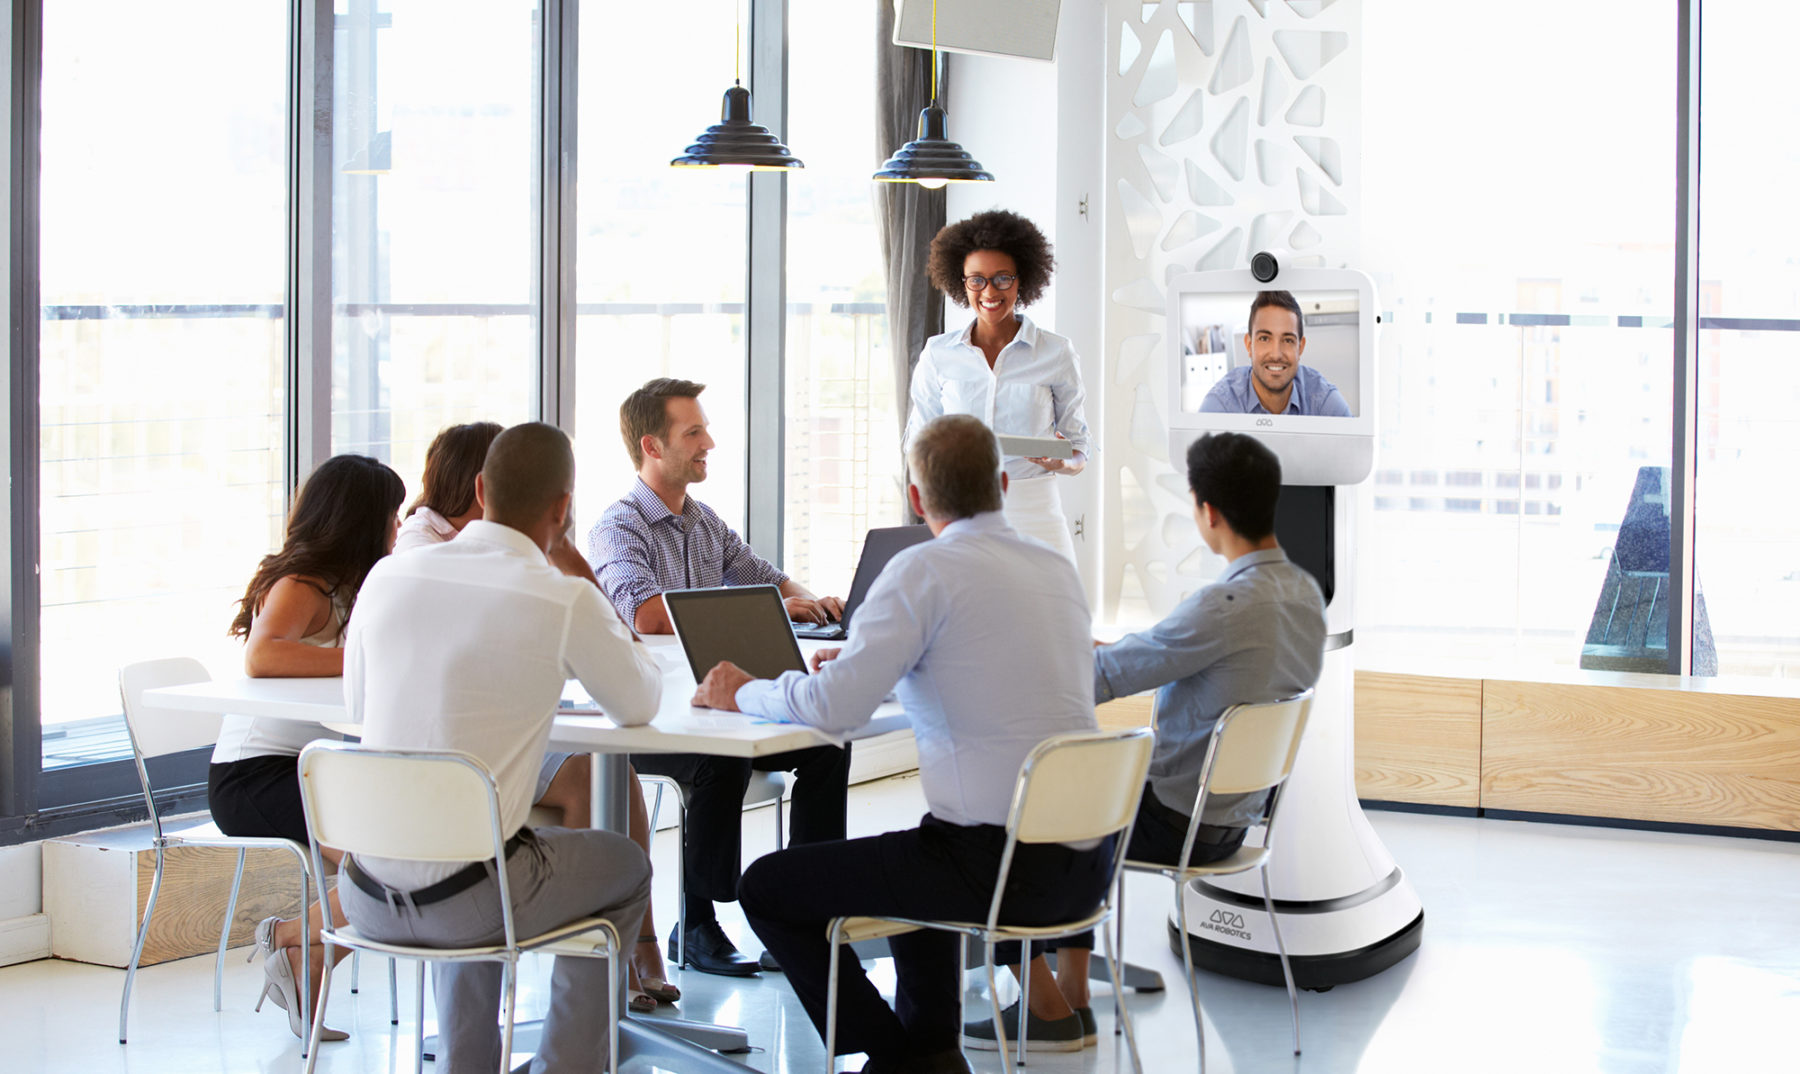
(1018, 378)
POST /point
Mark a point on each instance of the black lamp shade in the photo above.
(735, 141)
(932, 159)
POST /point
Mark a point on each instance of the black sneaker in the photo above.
(1059, 1035)
(1090, 1029)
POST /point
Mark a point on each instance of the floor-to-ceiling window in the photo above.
(843, 441)
(1747, 541)
(161, 405)
(435, 129)
(660, 251)
(1520, 234)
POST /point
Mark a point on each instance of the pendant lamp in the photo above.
(735, 141)
(932, 159)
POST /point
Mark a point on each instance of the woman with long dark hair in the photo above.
(447, 500)
(292, 619)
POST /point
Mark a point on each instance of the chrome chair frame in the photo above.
(201, 729)
(573, 939)
(1243, 860)
(764, 787)
(851, 929)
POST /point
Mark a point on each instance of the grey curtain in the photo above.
(908, 214)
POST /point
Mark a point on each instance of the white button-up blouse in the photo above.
(1034, 389)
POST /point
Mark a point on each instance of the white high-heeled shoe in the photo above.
(279, 986)
(265, 938)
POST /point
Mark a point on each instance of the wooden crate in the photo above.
(96, 886)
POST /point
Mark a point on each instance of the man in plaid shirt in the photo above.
(659, 538)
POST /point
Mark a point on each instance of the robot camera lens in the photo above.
(1264, 267)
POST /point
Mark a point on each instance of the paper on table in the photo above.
(575, 698)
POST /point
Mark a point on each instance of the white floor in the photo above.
(1547, 948)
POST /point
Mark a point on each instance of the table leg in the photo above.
(670, 1039)
(609, 790)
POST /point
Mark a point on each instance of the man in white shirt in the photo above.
(986, 635)
(466, 646)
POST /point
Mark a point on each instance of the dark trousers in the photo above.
(1156, 837)
(713, 833)
(935, 871)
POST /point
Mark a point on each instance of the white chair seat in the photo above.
(1243, 860)
(858, 929)
(765, 787)
(198, 829)
(564, 940)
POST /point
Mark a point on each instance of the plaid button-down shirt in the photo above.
(640, 548)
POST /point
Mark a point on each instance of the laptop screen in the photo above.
(746, 625)
(880, 546)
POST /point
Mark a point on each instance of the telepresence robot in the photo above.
(1346, 908)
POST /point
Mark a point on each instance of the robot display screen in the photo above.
(1271, 352)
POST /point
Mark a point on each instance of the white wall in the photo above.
(1038, 128)
(24, 929)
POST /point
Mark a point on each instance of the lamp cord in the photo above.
(934, 65)
(737, 55)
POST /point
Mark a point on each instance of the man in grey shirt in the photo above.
(1257, 633)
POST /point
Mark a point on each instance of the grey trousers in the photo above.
(561, 875)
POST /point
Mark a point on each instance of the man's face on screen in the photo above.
(1275, 348)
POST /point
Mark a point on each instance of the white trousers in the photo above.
(1034, 508)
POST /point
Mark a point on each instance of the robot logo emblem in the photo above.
(1228, 923)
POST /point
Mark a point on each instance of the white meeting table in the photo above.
(678, 727)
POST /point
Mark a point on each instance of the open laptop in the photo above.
(879, 546)
(746, 624)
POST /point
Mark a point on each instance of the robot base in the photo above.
(1313, 972)
(1329, 943)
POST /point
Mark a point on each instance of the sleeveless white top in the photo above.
(243, 737)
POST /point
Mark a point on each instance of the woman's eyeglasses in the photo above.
(1002, 282)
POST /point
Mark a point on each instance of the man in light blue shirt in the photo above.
(1275, 382)
(987, 637)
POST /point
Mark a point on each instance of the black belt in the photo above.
(454, 884)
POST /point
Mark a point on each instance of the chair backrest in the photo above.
(423, 805)
(1080, 786)
(159, 731)
(1254, 745)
